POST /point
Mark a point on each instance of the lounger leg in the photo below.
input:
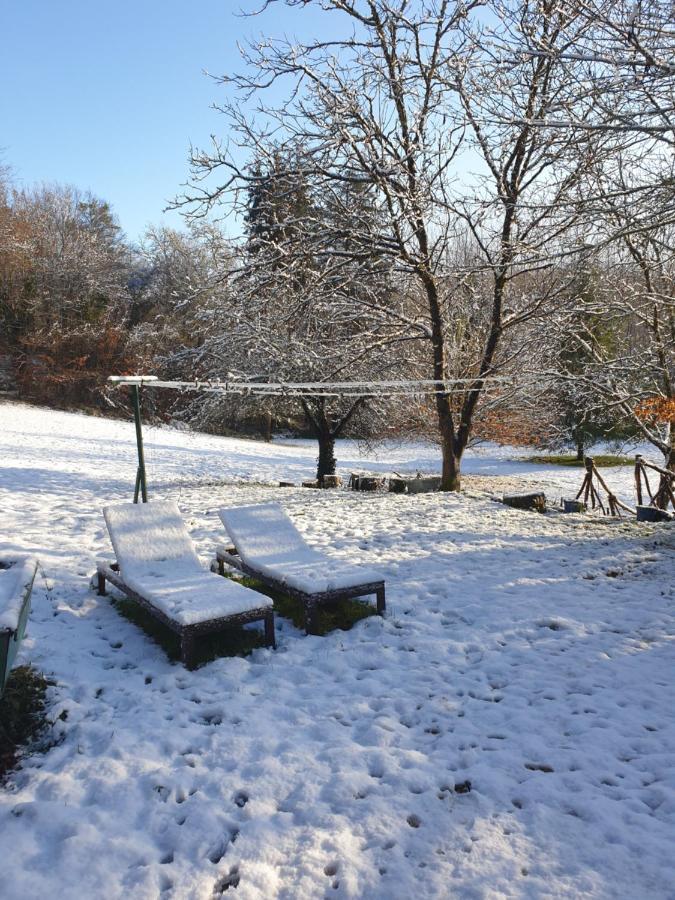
(381, 605)
(310, 618)
(100, 581)
(269, 630)
(187, 649)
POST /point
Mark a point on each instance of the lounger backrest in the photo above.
(147, 534)
(263, 532)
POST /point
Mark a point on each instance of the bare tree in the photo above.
(300, 314)
(625, 107)
(71, 263)
(621, 59)
(391, 103)
(628, 378)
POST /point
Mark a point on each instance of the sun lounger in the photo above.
(268, 546)
(156, 565)
(17, 574)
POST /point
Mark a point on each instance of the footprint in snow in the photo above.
(218, 850)
(231, 880)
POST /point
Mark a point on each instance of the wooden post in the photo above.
(643, 469)
(589, 489)
(614, 503)
(588, 480)
(638, 477)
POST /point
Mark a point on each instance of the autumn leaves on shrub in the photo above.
(68, 369)
(65, 295)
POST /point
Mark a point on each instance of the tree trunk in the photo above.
(670, 453)
(455, 439)
(327, 430)
(450, 475)
(266, 426)
(326, 461)
(451, 451)
(315, 413)
(580, 449)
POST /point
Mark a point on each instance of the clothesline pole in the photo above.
(141, 480)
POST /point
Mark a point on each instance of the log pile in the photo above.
(535, 501)
(331, 481)
(396, 484)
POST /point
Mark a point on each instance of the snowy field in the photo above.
(532, 656)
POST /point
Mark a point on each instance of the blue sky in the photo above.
(108, 94)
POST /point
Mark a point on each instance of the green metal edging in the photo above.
(10, 640)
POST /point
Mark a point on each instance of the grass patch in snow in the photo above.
(602, 460)
(341, 615)
(22, 714)
(234, 641)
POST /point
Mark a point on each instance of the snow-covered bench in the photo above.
(17, 574)
(268, 546)
(156, 565)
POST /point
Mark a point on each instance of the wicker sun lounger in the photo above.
(157, 566)
(268, 546)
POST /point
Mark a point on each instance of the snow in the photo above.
(193, 597)
(14, 582)
(532, 656)
(149, 535)
(268, 542)
(157, 560)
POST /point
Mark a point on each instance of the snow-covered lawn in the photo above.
(532, 657)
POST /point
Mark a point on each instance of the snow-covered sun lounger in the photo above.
(157, 567)
(17, 574)
(268, 546)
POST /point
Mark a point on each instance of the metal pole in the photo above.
(140, 475)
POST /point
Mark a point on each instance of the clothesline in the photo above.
(316, 388)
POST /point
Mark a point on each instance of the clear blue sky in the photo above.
(108, 94)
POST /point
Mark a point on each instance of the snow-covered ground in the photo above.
(532, 656)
